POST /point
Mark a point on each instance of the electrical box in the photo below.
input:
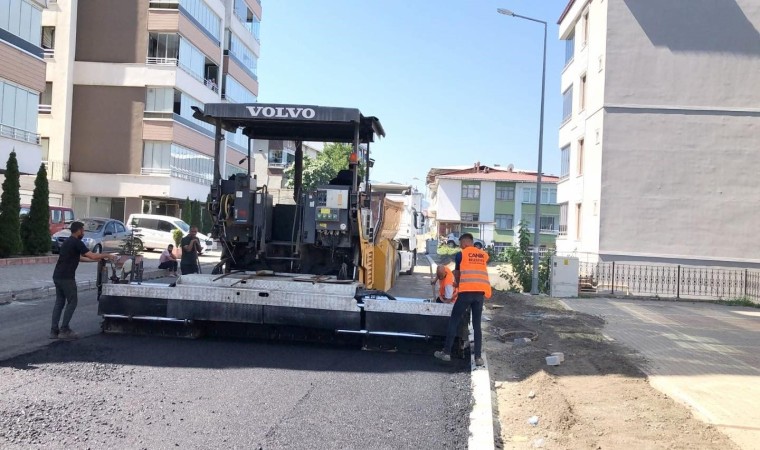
(564, 277)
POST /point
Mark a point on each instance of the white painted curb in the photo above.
(481, 416)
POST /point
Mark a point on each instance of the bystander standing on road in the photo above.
(72, 251)
(447, 292)
(471, 275)
(191, 248)
(168, 261)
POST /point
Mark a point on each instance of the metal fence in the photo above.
(679, 281)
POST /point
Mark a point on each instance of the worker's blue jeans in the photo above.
(474, 301)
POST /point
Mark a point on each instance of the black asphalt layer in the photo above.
(117, 391)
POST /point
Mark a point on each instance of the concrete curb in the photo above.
(41, 292)
(25, 260)
(481, 416)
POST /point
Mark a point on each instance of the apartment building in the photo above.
(123, 78)
(22, 80)
(490, 203)
(661, 131)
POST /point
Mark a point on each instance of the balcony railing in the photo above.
(152, 60)
(48, 53)
(178, 173)
(18, 134)
(44, 109)
(57, 170)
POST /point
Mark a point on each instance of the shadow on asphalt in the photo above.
(226, 353)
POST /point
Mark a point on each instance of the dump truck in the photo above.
(410, 224)
(320, 267)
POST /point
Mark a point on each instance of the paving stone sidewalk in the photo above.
(702, 355)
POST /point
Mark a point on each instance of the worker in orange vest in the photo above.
(447, 292)
(471, 275)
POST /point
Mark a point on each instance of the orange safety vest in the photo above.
(473, 272)
(448, 279)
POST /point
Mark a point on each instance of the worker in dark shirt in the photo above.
(71, 253)
(191, 248)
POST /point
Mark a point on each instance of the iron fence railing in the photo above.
(670, 280)
(58, 170)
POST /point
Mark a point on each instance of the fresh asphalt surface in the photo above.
(118, 391)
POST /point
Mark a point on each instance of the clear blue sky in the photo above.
(452, 82)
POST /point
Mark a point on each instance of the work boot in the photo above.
(68, 335)
(443, 356)
(479, 361)
(53, 334)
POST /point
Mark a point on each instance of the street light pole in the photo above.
(537, 221)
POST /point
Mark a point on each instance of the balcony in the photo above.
(7, 131)
(57, 170)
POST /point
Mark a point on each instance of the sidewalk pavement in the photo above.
(702, 355)
(26, 282)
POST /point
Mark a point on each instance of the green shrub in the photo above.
(177, 235)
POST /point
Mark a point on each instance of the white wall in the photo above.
(487, 201)
(27, 154)
(108, 185)
(449, 200)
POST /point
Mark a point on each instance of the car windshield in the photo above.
(93, 226)
(183, 226)
(24, 211)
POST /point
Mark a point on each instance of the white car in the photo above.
(155, 231)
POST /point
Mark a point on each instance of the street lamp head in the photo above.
(506, 12)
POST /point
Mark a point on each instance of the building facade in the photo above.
(661, 130)
(122, 81)
(490, 203)
(22, 80)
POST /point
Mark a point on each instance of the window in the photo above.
(505, 193)
(45, 146)
(165, 226)
(578, 222)
(471, 191)
(529, 195)
(248, 19)
(567, 104)
(205, 16)
(48, 41)
(565, 165)
(569, 48)
(469, 220)
(243, 54)
(193, 61)
(163, 48)
(504, 221)
(68, 216)
(159, 100)
(167, 158)
(110, 229)
(549, 223)
(581, 148)
(236, 92)
(21, 18)
(120, 228)
(563, 219)
(232, 169)
(46, 99)
(585, 28)
(582, 99)
(18, 109)
(548, 195)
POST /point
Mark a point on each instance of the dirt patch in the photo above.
(597, 398)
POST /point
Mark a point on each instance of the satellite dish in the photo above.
(511, 167)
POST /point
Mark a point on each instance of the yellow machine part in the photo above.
(378, 266)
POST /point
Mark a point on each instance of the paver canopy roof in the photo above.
(292, 122)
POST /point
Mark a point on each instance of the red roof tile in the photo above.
(499, 175)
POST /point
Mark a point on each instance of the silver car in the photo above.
(100, 235)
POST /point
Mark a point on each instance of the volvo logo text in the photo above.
(281, 112)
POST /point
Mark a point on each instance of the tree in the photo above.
(186, 211)
(10, 206)
(208, 221)
(320, 170)
(519, 272)
(35, 228)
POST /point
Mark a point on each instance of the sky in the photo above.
(451, 82)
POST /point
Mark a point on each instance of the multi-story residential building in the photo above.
(661, 130)
(491, 202)
(22, 80)
(123, 80)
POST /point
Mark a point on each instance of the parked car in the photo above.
(60, 217)
(452, 240)
(156, 231)
(100, 235)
